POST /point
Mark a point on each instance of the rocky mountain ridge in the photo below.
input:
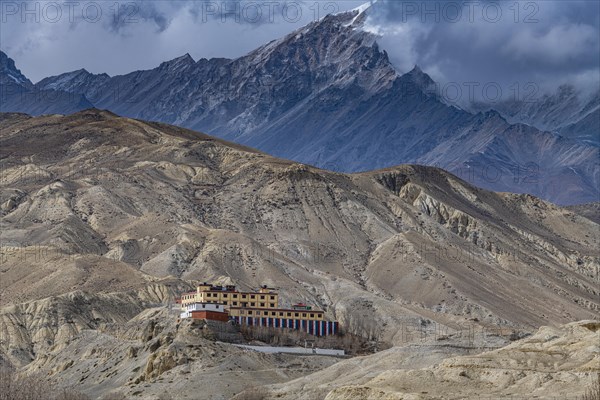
(328, 96)
(567, 112)
(18, 94)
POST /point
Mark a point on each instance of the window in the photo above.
(273, 313)
(281, 314)
(272, 297)
(289, 314)
(250, 312)
(235, 296)
(272, 305)
(304, 315)
(296, 315)
(244, 296)
(262, 297)
(235, 303)
(262, 304)
(312, 315)
(252, 296)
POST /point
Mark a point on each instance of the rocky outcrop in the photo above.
(33, 329)
(153, 354)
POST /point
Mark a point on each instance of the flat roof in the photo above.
(236, 292)
(212, 311)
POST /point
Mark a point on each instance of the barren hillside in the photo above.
(104, 217)
(561, 362)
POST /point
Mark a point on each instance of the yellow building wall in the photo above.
(258, 300)
(188, 299)
(236, 299)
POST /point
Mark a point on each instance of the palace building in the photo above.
(259, 308)
(230, 297)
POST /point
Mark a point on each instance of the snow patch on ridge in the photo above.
(361, 10)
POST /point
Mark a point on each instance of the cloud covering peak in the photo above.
(473, 49)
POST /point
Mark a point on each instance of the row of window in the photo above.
(277, 313)
(243, 304)
(267, 313)
(235, 295)
(202, 306)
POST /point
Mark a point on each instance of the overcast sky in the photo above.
(466, 44)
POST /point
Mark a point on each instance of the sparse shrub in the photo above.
(114, 396)
(254, 393)
(165, 396)
(593, 392)
(68, 394)
(351, 343)
(13, 387)
(32, 387)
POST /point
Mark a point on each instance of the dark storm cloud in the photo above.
(514, 44)
(127, 13)
(123, 36)
(247, 11)
(459, 43)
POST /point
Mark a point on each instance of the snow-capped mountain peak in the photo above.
(10, 74)
(361, 11)
(327, 95)
(350, 17)
(364, 7)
